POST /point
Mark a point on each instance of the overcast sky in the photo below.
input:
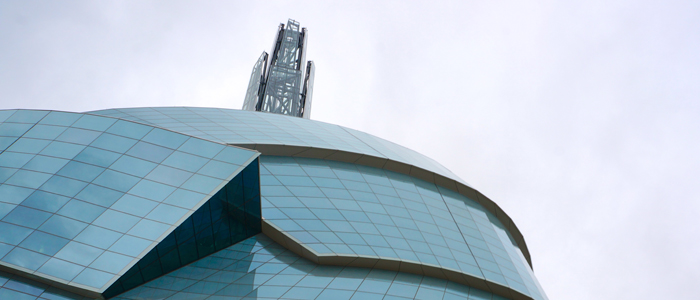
(579, 118)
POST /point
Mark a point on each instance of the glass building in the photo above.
(211, 203)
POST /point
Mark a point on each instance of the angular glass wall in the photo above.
(230, 216)
(284, 85)
(347, 210)
(13, 287)
(84, 197)
(258, 268)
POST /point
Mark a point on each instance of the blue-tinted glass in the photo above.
(331, 294)
(28, 145)
(149, 152)
(94, 122)
(61, 269)
(217, 169)
(167, 214)
(130, 245)
(116, 221)
(25, 285)
(27, 217)
(234, 155)
(134, 205)
(202, 184)
(129, 129)
(25, 258)
(165, 138)
(97, 157)
(13, 129)
(14, 194)
(115, 180)
(80, 171)
(47, 132)
(79, 253)
(63, 186)
(28, 179)
(148, 229)
(44, 243)
(133, 166)
(14, 160)
(45, 201)
(4, 114)
(98, 237)
(113, 143)
(27, 116)
(62, 150)
(13, 234)
(168, 175)
(187, 162)
(10, 294)
(99, 195)
(184, 198)
(6, 173)
(151, 190)
(6, 142)
(78, 136)
(201, 148)
(63, 226)
(82, 211)
(45, 164)
(60, 118)
(5, 208)
(111, 262)
(93, 278)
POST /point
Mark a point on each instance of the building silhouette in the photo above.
(259, 203)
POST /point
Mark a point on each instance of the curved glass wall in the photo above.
(354, 210)
(244, 127)
(84, 197)
(258, 268)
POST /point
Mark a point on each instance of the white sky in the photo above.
(579, 118)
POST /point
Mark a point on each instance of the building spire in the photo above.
(282, 82)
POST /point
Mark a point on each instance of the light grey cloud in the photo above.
(578, 118)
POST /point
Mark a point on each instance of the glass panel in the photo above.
(113, 143)
(62, 150)
(79, 253)
(116, 221)
(28, 145)
(27, 116)
(98, 237)
(45, 201)
(82, 211)
(149, 152)
(97, 157)
(94, 122)
(25, 258)
(61, 269)
(134, 205)
(27, 217)
(78, 136)
(60, 118)
(62, 226)
(165, 138)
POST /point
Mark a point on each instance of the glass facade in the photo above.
(258, 268)
(240, 127)
(85, 197)
(156, 203)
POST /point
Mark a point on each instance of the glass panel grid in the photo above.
(246, 127)
(258, 268)
(75, 190)
(378, 213)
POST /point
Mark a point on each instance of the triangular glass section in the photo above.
(230, 216)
